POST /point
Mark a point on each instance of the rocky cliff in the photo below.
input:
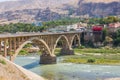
(45, 10)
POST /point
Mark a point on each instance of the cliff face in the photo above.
(45, 10)
(99, 9)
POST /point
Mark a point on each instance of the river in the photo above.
(68, 71)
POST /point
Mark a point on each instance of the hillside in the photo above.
(53, 4)
(44, 10)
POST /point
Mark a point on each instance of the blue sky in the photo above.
(6, 0)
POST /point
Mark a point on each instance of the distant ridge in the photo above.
(45, 10)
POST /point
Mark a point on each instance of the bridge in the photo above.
(11, 44)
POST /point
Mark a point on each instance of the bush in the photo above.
(28, 45)
(91, 60)
(108, 47)
(23, 52)
(81, 47)
(2, 62)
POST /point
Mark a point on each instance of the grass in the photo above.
(85, 59)
(92, 50)
(95, 56)
(57, 51)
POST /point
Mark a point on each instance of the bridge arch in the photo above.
(36, 41)
(75, 36)
(58, 39)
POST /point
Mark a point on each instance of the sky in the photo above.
(6, 0)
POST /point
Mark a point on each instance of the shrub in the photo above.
(108, 47)
(91, 60)
(23, 52)
(2, 62)
(81, 47)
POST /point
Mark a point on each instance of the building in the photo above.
(113, 27)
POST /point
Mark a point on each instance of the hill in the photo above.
(45, 10)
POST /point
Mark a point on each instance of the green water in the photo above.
(68, 71)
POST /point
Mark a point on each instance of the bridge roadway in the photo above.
(11, 44)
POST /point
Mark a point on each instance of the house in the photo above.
(81, 27)
(97, 33)
(113, 27)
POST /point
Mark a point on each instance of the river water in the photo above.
(68, 71)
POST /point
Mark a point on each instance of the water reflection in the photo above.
(31, 65)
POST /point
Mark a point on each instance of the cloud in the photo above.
(7, 0)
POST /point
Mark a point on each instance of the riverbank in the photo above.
(107, 56)
(93, 59)
(113, 79)
(104, 50)
(11, 71)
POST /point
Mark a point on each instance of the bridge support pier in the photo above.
(11, 58)
(48, 59)
(67, 51)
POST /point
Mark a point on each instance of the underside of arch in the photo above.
(39, 42)
(73, 38)
(66, 49)
(65, 42)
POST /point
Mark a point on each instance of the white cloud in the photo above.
(7, 0)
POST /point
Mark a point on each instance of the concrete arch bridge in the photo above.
(47, 42)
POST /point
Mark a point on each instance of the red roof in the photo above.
(97, 28)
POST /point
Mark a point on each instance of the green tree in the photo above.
(104, 34)
(117, 39)
(82, 38)
(111, 19)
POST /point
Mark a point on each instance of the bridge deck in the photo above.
(33, 34)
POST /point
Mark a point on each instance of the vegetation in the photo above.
(22, 27)
(93, 59)
(23, 52)
(105, 55)
(28, 45)
(19, 27)
(2, 62)
(106, 20)
(104, 34)
(105, 50)
(116, 38)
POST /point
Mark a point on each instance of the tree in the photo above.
(104, 34)
(108, 40)
(82, 38)
(117, 39)
(111, 19)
